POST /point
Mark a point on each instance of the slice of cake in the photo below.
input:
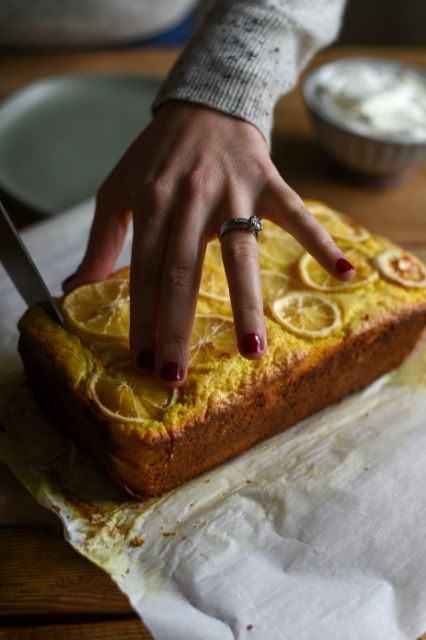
(326, 339)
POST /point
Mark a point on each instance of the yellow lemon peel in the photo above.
(309, 315)
(402, 268)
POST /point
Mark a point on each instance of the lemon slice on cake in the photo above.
(127, 395)
(339, 226)
(213, 279)
(316, 277)
(277, 248)
(213, 338)
(402, 268)
(309, 315)
(274, 284)
(214, 252)
(214, 284)
(100, 310)
(154, 396)
(116, 399)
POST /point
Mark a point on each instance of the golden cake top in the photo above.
(307, 311)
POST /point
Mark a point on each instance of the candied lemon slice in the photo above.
(318, 278)
(274, 284)
(339, 226)
(214, 284)
(214, 253)
(100, 309)
(116, 399)
(309, 315)
(152, 394)
(278, 247)
(213, 337)
(213, 279)
(403, 268)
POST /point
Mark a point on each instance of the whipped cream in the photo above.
(377, 99)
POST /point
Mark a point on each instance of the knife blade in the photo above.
(21, 268)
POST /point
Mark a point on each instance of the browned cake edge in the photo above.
(151, 463)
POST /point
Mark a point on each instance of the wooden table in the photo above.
(47, 591)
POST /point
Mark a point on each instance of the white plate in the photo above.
(59, 137)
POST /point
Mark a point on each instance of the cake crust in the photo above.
(151, 463)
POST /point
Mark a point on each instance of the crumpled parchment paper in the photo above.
(318, 533)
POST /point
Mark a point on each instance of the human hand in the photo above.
(189, 171)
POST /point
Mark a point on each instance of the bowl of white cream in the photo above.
(370, 114)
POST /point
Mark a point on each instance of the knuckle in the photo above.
(241, 249)
(179, 277)
(296, 211)
(257, 172)
(154, 195)
(198, 182)
(153, 214)
(262, 171)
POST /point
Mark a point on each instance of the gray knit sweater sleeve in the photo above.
(246, 53)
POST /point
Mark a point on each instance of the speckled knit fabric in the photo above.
(247, 53)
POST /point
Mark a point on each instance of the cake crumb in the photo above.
(137, 542)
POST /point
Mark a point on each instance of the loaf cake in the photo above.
(326, 339)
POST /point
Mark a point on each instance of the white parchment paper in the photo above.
(316, 534)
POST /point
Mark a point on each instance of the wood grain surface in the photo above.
(70, 585)
(47, 590)
(111, 630)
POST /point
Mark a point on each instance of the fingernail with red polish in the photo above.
(252, 343)
(146, 359)
(172, 372)
(343, 265)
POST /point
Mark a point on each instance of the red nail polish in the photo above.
(172, 372)
(146, 359)
(343, 265)
(252, 343)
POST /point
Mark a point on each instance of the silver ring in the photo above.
(252, 224)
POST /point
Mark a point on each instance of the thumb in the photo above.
(107, 236)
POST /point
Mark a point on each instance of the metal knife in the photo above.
(21, 268)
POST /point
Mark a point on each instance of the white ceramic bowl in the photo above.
(369, 154)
